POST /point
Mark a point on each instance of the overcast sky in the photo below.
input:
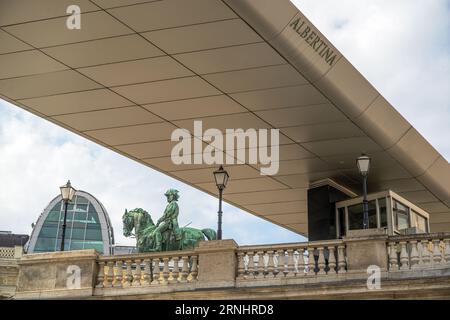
(402, 47)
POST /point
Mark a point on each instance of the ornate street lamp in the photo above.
(67, 193)
(363, 163)
(221, 177)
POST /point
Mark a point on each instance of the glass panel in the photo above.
(93, 234)
(373, 215)
(48, 231)
(45, 244)
(78, 233)
(420, 222)
(401, 213)
(355, 216)
(342, 224)
(53, 216)
(383, 212)
(57, 206)
(80, 199)
(97, 245)
(92, 218)
(92, 209)
(77, 245)
(80, 216)
(81, 207)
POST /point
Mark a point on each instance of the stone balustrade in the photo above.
(291, 260)
(221, 269)
(418, 251)
(147, 269)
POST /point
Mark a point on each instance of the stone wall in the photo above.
(9, 270)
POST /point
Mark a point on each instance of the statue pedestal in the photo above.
(217, 264)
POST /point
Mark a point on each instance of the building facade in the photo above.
(88, 226)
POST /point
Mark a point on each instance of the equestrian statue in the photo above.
(166, 235)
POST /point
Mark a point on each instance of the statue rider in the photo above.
(168, 221)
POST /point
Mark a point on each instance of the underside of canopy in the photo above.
(137, 70)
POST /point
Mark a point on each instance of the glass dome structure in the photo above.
(88, 226)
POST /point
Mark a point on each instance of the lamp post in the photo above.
(221, 177)
(363, 163)
(67, 193)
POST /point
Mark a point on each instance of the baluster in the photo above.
(321, 262)
(420, 253)
(184, 269)
(270, 265)
(118, 278)
(331, 260)
(414, 254)
(128, 274)
(166, 271)
(393, 262)
(251, 265)
(147, 273)
(341, 259)
(137, 273)
(176, 269)
(101, 274)
(260, 265)
(301, 262)
(156, 271)
(276, 262)
(295, 262)
(194, 269)
(290, 265)
(110, 275)
(284, 255)
(266, 263)
(241, 265)
(447, 251)
(311, 262)
(426, 254)
(404, 259)
(437, 255)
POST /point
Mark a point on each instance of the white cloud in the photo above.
(403, 48)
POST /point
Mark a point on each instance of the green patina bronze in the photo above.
(166, 235)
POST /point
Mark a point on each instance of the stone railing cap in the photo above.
(60, 255)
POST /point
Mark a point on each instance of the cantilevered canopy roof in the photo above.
(139, 69)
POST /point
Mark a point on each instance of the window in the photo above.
(93, 234)
(342, 224)
(45, 244)
(401, 216)
(356, 216)
(383, 212)
(420, 222)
